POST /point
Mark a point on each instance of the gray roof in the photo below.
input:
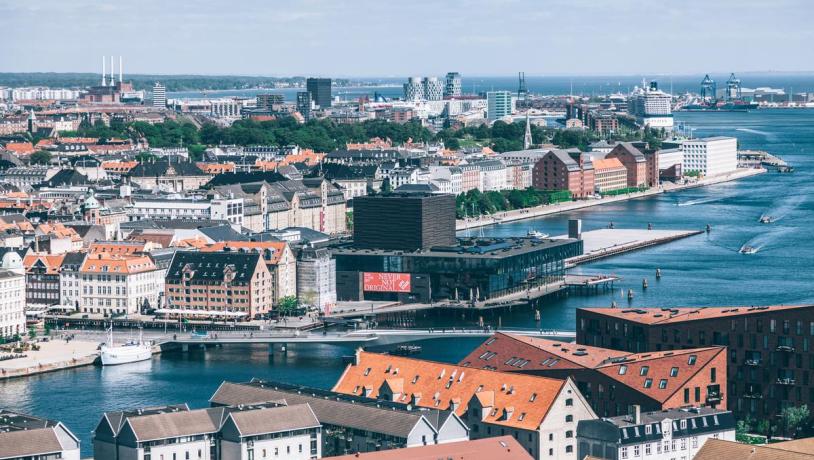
(175, 424)
(222, 233)
(335, 412)
(274, 419)
(565, 159)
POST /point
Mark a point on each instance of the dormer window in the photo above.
(674, 372)
(622, 369)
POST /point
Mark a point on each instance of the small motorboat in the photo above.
(748, 250)
(537, 234)
(766, 219)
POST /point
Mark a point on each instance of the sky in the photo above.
(384, 38)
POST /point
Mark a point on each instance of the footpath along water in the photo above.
(701, 270)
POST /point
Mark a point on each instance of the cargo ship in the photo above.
(709, 101)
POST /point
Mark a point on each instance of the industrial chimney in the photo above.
(121, 77)
(104, 72)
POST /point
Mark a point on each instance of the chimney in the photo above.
(636, 414)
(112, 78)
(121, 76)
(575, 229)
(104, 72)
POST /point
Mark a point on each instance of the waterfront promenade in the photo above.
(546, 210)
(53, 355)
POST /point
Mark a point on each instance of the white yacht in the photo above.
(537, 234)
(129, 352)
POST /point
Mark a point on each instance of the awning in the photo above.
(63, 307)
(180, 311)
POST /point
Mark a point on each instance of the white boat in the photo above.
(536, 234)
(766, 219)
(748, 250)
(129, 352)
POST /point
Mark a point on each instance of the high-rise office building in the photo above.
(452, 86)
(499, 104)
(413, 89)
(320, 91)
(433, 88)
(159, 95)
(268, 100)
(304, 104)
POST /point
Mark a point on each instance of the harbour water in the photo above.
(702, 270)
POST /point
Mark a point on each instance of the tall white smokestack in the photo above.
(121, 76)
(104, 72)
(112, 76)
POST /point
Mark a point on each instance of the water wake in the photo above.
(784, 208)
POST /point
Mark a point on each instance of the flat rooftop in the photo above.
(469, 247)
(15, 421)
(657, 416)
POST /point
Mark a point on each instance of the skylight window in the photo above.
(674, 372)
(648, 383)
(663, 383)
(622, 369)
(644, 370)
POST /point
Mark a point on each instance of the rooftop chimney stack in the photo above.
(104, 72)
(636, 414)
(121, 75)
(112, 75)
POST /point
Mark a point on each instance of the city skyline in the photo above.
(390, 40)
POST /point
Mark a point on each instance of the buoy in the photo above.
(658, 273)
(536, 315)
(650, 226)
(614, 304)
(708, 228)
(630, 294)
(644, 283)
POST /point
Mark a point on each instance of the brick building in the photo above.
(279, 258)
(563, 170)
(222, 285)
(541, 413)
(770, 357)
(609, 174)
(612, 380)
(633, 160)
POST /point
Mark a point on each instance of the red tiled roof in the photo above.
(679, 315)
(516, 353)
(438, 384)
(498, 448)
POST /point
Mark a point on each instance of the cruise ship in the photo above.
(129, 352)
(652, 107)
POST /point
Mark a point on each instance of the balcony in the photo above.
(714, 398)
(753, 362)
(753, 395)
(785, 381)
(787, 348)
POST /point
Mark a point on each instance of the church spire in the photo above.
(527, 141)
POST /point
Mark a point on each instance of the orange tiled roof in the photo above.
(59, 230)
(119, 166)
(16, 195)
(278, 248)
(112, 263)
(45, 143)
(196, 242)
(51, 262)
(508, 352)
(23, 226)
(607, 163)
(679, 315)
(266, 165)
(20, 148)
(118, 247)
(440, 383)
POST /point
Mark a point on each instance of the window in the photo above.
(644, 370)
(648, 429)
(569, 449)
(683, 424)
(550, 452)
(713, 374)
(569, 418)
(663, 384)
(637, 451)
(622, 369)
(624, 452)
(647, 449)
(569, 434)
(674, 372)
(686, 395)
(648, 383)
(569, 402)
(691, 360)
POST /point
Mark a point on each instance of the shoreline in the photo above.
(547, 210)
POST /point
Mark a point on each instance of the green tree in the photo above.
(794, 419)
(40, 157)
(32, 333)
(288, 305)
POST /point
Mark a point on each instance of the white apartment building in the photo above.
(251, 432)
(70, 285)
(710, 156)
(451, 177)
(674, 434)
(229, 209)
(493, 176)
(499, 104)
(117, 284)
(12, 296)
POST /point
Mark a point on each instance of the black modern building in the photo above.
(469, 270)
(304, 104)
(320, 91)
(404, 221)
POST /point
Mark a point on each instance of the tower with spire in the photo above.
(527, 141)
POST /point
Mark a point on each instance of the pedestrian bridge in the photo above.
(359, 338)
